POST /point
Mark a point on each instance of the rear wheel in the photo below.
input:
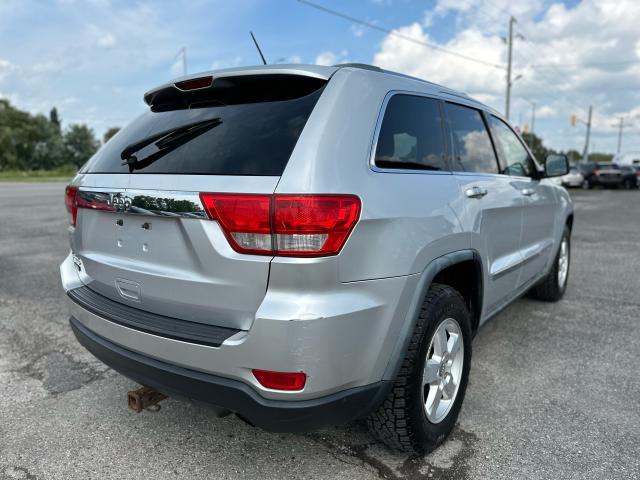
(552, 287)
(628, 184)
(586, 184)
(425, 400)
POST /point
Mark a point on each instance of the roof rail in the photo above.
(363, 66)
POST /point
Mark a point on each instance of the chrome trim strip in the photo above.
(505, 264)
(162, 203)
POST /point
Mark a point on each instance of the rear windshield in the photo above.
(233, 139)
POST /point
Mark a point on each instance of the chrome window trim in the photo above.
(457, 100)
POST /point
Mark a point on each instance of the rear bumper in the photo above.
(342, 336)
(271, 415)
(606, 181)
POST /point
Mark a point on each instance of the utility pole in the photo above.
(620, 127)
(533, 116)
(585, 153)
(512, 20)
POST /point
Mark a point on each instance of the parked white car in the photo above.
(572, 179)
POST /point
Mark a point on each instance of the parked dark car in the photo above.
(601, 175)
(630, 176)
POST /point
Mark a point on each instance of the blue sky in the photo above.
(94, 59)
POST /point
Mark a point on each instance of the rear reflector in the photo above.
(70, 195)
(284, 225)
(280, 380)
(195, 83)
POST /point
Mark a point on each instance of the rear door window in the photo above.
(255, 138)
(473, 150)
(411, 135)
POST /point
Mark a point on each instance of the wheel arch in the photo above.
(569, 221)
(446, 269)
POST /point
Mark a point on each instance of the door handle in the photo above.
(527, 191)
(475, 192)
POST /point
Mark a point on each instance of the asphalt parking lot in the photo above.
(554, 390)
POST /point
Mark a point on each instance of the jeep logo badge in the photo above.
(119, 202)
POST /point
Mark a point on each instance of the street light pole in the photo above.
(620, 127)
(512, 20)
(585, 153)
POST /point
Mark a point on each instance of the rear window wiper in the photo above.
(166, 142)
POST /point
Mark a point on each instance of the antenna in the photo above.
(264, 62)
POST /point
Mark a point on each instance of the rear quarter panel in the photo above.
(407, 219)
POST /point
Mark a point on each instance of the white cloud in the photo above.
(400, 55)
(546, 111)
(107, 40)
(49, 66)
(557, 41)
(177, 68)
(7, 68)
(218, 64)
(357, 30)
(330, 58)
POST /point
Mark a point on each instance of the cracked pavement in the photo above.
(554, 390)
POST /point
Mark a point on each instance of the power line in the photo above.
(399, 35)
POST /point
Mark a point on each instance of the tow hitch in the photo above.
(144, 398)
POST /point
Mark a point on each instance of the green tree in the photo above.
(536, 146)
(600, 157)
(35, 142)
(54, 118)
(574, 156)
(109, 133)
(80, 144)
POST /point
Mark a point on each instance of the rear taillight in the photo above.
(309, 225)
(284, 225)
(596, 173)
(70, 200)
(245, 220)
(75, 199)
(281, 380)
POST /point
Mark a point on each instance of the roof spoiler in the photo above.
(231, 85)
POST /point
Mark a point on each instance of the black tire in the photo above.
(549, 288)
(401, 421)
(628, 184)
(586, 184)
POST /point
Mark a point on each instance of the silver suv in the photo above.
(307, 245)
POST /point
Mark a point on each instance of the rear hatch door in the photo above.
(142, 237)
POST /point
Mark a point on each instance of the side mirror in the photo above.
(556, 165)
